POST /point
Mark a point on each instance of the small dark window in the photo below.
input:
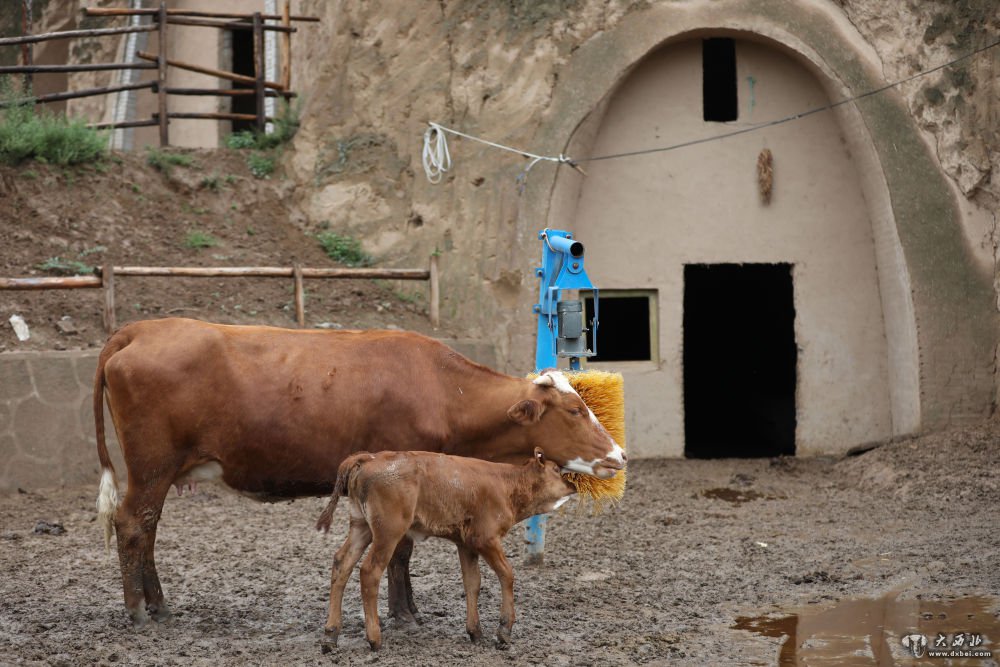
(624, 332)
(719, 79)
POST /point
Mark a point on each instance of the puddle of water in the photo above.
(871, 632)
(737, 496)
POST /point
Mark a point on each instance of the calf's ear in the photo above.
(526, 412)
(540, 456)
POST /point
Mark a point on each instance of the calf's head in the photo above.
(549, 489)
(564, 427)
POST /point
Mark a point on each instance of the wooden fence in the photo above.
(106, 280)
(162, 18)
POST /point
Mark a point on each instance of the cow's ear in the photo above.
(526, 412)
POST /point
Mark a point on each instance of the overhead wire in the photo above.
(437, 158)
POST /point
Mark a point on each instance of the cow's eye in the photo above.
(576, 412)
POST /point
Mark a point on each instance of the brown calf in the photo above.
(473, 503)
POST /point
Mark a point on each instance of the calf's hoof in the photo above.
(503, 637)
(476, 634)
(376, 644)
(332, 635)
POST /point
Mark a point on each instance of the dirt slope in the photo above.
(128, 213)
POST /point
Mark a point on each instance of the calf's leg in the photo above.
(492, 552)
(472, 581)
(383, 544)
(358, 538)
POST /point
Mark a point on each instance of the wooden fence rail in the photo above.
(297, 273)
(162, 17)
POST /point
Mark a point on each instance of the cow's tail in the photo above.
(344, 473)
(107, 494)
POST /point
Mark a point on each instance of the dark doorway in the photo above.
(243, 63)
(739, 360)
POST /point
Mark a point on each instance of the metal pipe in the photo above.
(566, 245)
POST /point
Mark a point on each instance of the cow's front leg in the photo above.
(401, 605)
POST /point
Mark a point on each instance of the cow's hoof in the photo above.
(140, 618)
(160, 614)
(476, 636)
(332, 635)
(503, 637)
(403, 617)
(376, 644)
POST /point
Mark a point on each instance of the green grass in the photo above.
(165, 162)
(266, 148)
(64, 267)
(198, 240)
(262, 163)
(27, 133)
(344, 249)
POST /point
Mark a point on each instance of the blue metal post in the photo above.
(562, 268)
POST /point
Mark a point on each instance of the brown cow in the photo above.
(418, 494)
(272, 413)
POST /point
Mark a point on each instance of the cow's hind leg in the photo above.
(472, 581)
(401, 605)
(135, 527)
(358, 539)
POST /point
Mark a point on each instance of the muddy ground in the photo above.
(660, 579)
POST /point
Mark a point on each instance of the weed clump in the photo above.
(164, 162)
(198, 240)
(30, 134)
(344, 249)
(266, 148)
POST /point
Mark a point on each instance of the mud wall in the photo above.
(47, 420)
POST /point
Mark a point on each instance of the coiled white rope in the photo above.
(437, 158)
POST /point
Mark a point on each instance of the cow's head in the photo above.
(566, 429)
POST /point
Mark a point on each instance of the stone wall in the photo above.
(47, 417)
(47, 420)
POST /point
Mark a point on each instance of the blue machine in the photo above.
(561, 331)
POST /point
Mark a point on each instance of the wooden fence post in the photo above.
(27, 50)
(300, 296)
(435, 298)
(286, 46)
(259, 69)
(108, 283)
(162, 77)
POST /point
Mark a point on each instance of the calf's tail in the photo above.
(344, 473)
(107, 494)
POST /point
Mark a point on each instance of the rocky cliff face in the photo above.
(378, 71)
(958, 108)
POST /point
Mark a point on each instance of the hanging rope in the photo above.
(437, 158)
